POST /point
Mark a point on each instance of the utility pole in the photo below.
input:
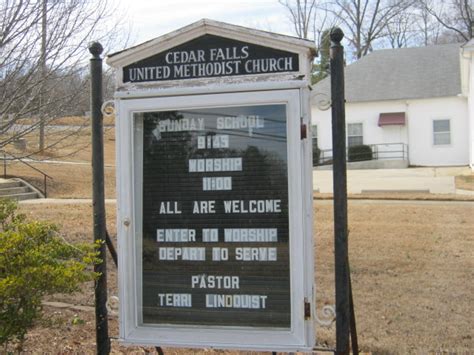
(44, 10)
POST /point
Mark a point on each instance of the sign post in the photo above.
(100, 289)
(345, 318)
(214, 190)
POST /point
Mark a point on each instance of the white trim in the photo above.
(144, 92)
(306, 169)
(301, 335)
(206, 26)
(306, 50)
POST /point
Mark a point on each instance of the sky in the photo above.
(153, 18)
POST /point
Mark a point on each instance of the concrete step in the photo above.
(22, 196)
(13, 190)
(17, 189)
(10, 183)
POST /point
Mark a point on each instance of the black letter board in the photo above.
(211, 56)
(215, 248)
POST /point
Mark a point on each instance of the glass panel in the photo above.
(441, 126)
(215, 217)
(314, 131)
(354, 129)
(352, 141)
(442, 138)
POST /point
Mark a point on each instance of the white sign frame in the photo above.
(301, 335)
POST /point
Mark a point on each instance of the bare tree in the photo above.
(455, 16)
(425, 23)
(426, 26)
(401, 31)
(324, 21)
(312, 20)
(301, 14)
(366, 21)
(369, 24)
(43, 56)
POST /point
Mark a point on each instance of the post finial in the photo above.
(336, 35)
(96, 49)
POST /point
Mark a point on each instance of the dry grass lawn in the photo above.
(66, 143)
(69, 121)
(412, 268)
(69, 180)
(465, 182)
(412, 263)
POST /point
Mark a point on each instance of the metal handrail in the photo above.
(399, 151)
(14, 158)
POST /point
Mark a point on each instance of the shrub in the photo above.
(360, 153)
(35, 261)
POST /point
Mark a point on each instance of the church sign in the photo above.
(214, 223)
(211, 56)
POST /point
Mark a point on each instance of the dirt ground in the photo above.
(465, 182)
(412, 265)
(69, 121)
(69, 180)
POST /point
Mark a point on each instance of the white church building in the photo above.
(413, 106)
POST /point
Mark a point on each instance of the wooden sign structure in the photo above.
(214, 184)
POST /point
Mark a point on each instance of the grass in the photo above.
(465, 182)
(69, 180)
(67, 143)
(412, 266)
(68, 121)
(412, 263)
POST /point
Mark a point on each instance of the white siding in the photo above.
(366, 113)
(417, 133)
(420, 127)
(471, 111)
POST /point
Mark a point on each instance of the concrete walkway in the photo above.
(415, 180)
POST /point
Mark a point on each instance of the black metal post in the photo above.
(353, 327)
(98, 201)
(110, 246)
(340, 191)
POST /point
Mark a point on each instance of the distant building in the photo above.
(467, 60)
(415, 105)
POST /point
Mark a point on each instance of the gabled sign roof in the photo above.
(210, 56)
(211, 27)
